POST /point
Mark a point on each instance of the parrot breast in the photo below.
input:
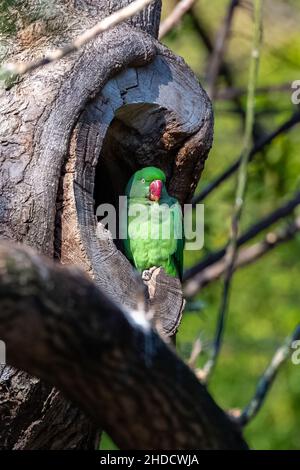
(152, 237)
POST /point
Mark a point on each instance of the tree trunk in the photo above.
(71, 135)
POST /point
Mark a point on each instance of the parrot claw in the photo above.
(147, 274)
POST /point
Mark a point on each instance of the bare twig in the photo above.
(196, 351)
(204, 35)
(283, 211)
(231, 251)
(20, 68)
(175, 17)
(286, 126)
(267, 379)
(245, 257)
(225, 69)
(219, 49)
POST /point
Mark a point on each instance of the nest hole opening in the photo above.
(136, 137)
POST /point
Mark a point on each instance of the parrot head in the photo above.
(147, 183)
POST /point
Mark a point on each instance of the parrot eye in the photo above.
(143, 180)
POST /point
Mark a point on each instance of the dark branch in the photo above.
(283, 211)
(59, 326)
(267, 379)
(245, 257)
(217, 56)
(241, 185)
(205, 36)
(224, 70)
(258, 147)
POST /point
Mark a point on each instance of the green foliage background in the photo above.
(265, 298)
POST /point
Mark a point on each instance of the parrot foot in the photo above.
(147, 274)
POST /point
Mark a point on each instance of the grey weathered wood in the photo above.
(37, 115)
(166, 303)
(45, 161)
(152, 115)
(58, 325)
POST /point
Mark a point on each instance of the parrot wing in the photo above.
(179, 234)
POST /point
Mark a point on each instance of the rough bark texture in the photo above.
(40, 416)
(58, 325)
(65, 127)
(37, 116)
(152, 115)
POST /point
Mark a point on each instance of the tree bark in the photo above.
(64, 130)
(40, 416)
(107, 359)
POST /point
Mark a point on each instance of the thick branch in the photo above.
(84, 38)
(41, 111)
(59, 326)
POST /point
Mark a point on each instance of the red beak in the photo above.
(155, 190)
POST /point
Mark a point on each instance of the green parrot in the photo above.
(154, 235)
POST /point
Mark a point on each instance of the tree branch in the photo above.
(232, 248)
(285, 127)
(224, 69)
(59, 326)
(205, 37)
(175, 17)
(245, 257)
(283, 211)
(107, 23)
(267, 379)
(220, 48)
